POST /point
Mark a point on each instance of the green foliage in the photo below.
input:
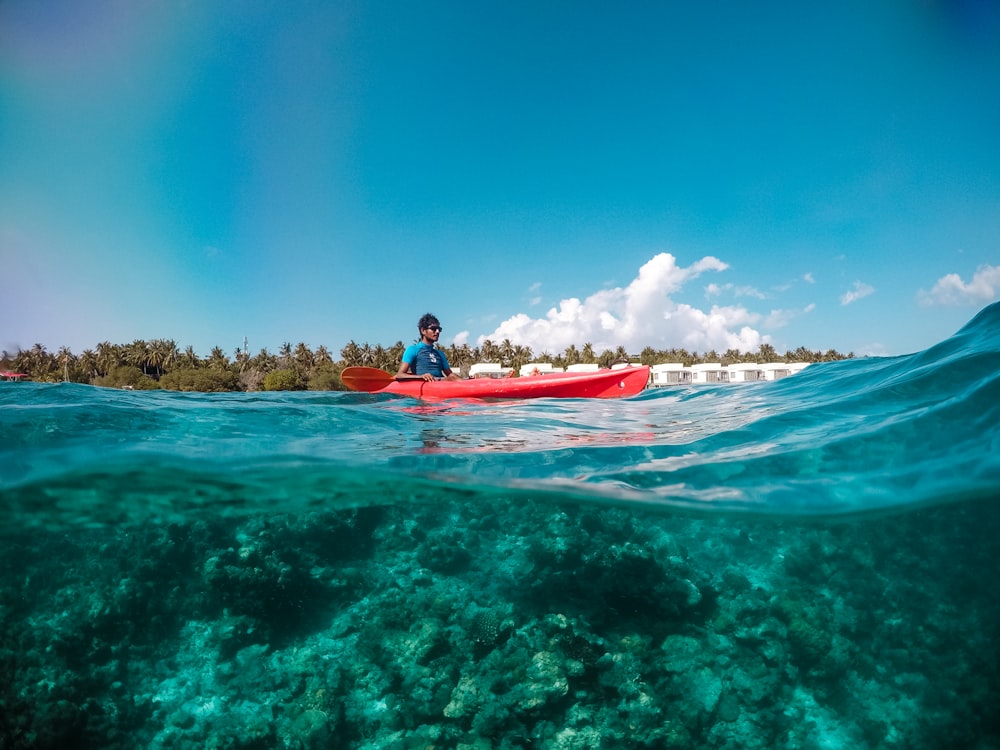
(140, 363)
(282, 380)
(326, 379)
(202, 380)
(126, 376)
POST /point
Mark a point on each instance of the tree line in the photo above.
(160, 363)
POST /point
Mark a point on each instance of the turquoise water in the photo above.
(808, 563)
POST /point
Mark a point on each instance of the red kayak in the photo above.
(627, 381)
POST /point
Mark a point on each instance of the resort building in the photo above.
(745, 372)
(709, 372)
(675, 373)
(539, 368)
(670, 373)
(661, 375)
(489, 370)
(779, 370)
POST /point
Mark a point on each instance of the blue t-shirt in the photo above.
(423, 358)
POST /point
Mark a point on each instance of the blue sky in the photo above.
(707, 175)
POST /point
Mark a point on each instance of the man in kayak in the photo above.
(424, 358)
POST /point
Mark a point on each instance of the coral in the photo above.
(559, 630)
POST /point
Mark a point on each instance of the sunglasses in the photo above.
(434, 328)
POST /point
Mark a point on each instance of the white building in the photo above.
(745, 372)
(670, 373)
(539, 368)
(661, 375)
(489, 370)
(709, 372)
(779, 370)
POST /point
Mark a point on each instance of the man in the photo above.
(424, 359)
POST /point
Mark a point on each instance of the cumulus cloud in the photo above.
(638, 315)
(951, 290)
(859, 291)
(781, 318)
(716, 290)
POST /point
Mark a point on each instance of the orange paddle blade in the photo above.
(368, 379)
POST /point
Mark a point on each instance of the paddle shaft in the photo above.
(371, 379)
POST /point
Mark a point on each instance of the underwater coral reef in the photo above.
(511, 625)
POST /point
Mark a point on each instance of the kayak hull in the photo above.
(618, 383)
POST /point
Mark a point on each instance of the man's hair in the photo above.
(427, 320)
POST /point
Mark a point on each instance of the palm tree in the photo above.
(521, 355)
(218, 360)
(37, 362)
(188, 359)
(303, 357)
(395, 355)
(459, 356)
(489, 351)
(766, 353)
(137, 355)
(732, 356)
(383, 359)
(800, 355)
(587, 355)
(109, 356)
(321, 357)
(285, 355)
(265, 361)
(88, 363)
(506, 352)
(162, 353)
(351, 354)
(66, 359)
(22, 361)
(38, 359)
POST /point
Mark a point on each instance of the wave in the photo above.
(853, 436)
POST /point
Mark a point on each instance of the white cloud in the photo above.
(638, 315)
(859, 291)
(714, 290)
(951, 290)
(749, 291)
(535, 299)
(809, 278)
(781, 318)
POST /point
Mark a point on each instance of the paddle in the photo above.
(370, 379)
